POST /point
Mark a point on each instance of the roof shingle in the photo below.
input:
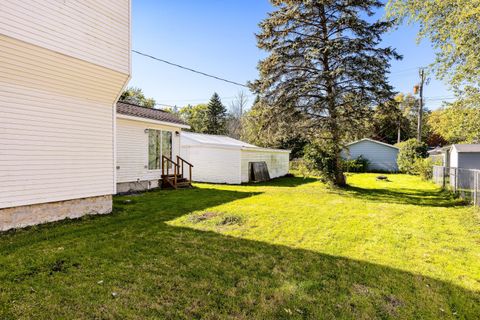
(133, 110)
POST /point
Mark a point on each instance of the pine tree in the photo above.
(326, 62)
(216, 116)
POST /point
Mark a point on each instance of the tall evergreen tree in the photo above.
(216, 116)
(326, 62)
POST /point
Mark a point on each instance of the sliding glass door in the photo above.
(159, 144)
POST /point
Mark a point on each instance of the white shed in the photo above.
(220, 159)
(381, 156)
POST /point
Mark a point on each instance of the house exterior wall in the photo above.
(61, 73)
(469, 160)
(132, 154)
(277, 162)
(380, 157)
(90, 30)
(214, 164)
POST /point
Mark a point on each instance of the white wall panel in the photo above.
(94, 31)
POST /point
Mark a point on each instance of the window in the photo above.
(159, 143)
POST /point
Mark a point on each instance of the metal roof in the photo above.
(221, 141)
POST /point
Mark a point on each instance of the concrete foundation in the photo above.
(20, 217)
(137, 186)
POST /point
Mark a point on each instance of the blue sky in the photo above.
(217, 37)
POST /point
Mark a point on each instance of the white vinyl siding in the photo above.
(381, 157)
(61, 74)
(90, 30)
(132, 150)
(229, 163)
(45, 159)
(277, 162)
(214, 165)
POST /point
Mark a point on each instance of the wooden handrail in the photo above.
(183, 160)
(175, 170)
(190, 166)
(177, 166)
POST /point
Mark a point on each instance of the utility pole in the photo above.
(419, 90)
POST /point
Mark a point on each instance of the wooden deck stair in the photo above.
(176, 179)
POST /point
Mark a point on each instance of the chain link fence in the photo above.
(464, 182)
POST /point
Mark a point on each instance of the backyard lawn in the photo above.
(291, 248)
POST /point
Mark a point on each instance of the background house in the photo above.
(220, 159)
(143, 136)
(465, 156)
(63, 65)
(381, 156)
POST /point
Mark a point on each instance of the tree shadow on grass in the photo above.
(72, 269)
(428, 198)
(290, 182)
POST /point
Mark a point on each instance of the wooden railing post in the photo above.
(175, 178)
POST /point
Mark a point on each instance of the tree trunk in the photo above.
(399, 134)
(338, 176)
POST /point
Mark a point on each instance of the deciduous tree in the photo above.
(136, 96)
(456, 123)
(452, 26)
(195, 117)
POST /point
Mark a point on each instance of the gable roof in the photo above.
(467, 147)
(134, 110)
(222, 141)
(374, 141)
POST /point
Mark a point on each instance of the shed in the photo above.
(221, 159)
(381, 156)
(465, 156)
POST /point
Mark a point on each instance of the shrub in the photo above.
(424, 168)
(319, 160)
(359, 164)
(410, 151)
(300, 167)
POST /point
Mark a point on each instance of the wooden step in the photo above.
(171, 176)
(184, 184)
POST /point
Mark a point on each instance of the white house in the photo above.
(63, 65)
(465, 156)
(220, 159)
(144, 135)
(381, 156)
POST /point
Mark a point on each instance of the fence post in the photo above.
(456, 180)
(444, 175)
(475, 188)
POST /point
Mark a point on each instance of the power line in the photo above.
(409, 70)
(189, 69)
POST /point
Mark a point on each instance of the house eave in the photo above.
(374, 141)
(152, 121)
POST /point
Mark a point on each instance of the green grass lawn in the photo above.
(289, 249)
